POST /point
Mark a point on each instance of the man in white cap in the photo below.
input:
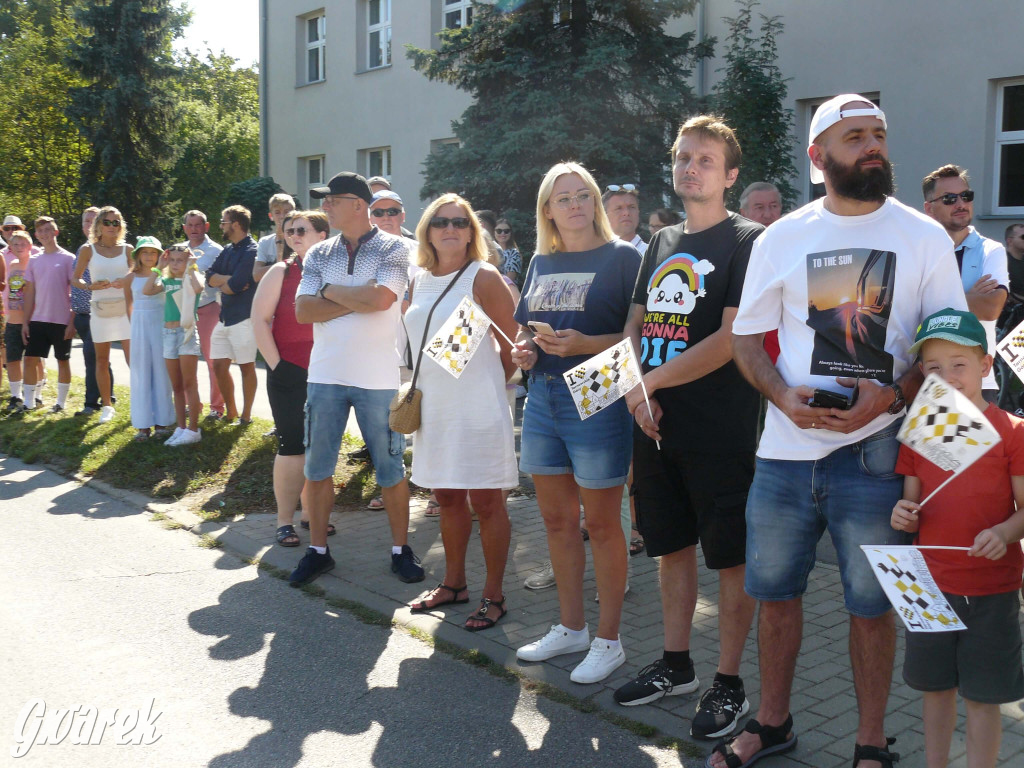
(846, 280)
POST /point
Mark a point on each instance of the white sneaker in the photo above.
(545, 579)
(106, 413)
(173, 439)
(602, 660)
(189, 437)
(556, 642)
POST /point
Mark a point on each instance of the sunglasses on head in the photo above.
(297, 231)
(380, 213)
(950, 198)
(502, 231)
(111, 222)
(621, 188)
(442, 222)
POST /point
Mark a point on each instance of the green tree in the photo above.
(216, 131)
(42, 150)
(254, 194)
(125, 110)
(598, 81)
(750, 96)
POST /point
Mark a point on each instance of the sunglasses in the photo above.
(297, 231)
(12, 228)
(950, 198)
(380, 213)
(442, 222)
(500, 231)
(621, 188)
(111, 223)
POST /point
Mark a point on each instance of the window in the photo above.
(563, 12)
(378, 25)
(311, 174)
(1008, 165)
(314, 33)
(814, 191)
(376, 162)
(458, 14)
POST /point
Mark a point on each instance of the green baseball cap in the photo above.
(147, 241)
(953, 325)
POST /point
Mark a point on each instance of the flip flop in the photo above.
(481, 615)
(287, 537)
(421, 606)
(377, 502)
(331, 530)
(433, 508)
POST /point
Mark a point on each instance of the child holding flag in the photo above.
(983, 510)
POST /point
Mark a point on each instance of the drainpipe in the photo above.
(701, 62)
(264, 67)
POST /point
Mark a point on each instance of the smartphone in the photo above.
(539, 327)
(824, 398)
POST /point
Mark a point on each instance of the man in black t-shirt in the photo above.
(694, 488)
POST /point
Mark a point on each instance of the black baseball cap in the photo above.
(344, 183)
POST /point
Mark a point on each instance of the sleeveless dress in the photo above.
(151, 399)
(465, 439)
(105, 329)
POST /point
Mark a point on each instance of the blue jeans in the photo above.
(851, 492)
(327, 410)
(92, 390)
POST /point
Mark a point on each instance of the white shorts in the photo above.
(236, 342)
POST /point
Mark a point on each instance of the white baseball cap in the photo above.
(830, 113)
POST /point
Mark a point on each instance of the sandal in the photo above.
(433, 508)
(773, 742)
(141, 435)
(422, 606)
(585, 533)
(481, 615)
(331, 530)
(636, 544)
(881, 754)
(287, 537)
(377, 502)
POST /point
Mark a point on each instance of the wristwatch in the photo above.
(326, 286)
(900, 402)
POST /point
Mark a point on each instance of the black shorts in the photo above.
(286, 390)
(983, 661)
(685, 497)
(12, 342)
(42, 336)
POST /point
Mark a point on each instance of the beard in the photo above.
(870, 185)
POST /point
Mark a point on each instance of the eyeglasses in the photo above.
(581, 199)
(950, 198)
(297, 231)
(443, 222)
(380, 213)
(222, 222)
(632, 188)
(500, 231)
(111, 222)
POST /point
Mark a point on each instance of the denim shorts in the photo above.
(851, 492)
(555, 441)
(327, 411)
(178, 343)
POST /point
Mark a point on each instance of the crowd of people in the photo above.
(820, 323)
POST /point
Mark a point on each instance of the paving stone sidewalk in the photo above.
(824, 705)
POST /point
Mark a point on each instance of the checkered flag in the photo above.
(946, 428)
(459, 337)
(1011, 349)
(910, 587)
(600, 381)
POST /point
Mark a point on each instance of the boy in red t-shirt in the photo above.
(982, 509)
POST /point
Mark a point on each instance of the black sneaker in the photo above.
(654, 681)
(718, 710)
(57, 408)
(407, 566)
(310, 566)
(13, 404)
(363, 454)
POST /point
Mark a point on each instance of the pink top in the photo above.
(50, 275)
(294, 340)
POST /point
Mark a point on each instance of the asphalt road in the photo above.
(103, 607)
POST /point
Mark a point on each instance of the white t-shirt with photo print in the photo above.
(847, 294)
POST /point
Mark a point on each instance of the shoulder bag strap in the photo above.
(426, 327)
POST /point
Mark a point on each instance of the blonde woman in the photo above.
(465, 444)
(107, 257)
(578, 287)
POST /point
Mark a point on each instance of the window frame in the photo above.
(463, 7)
(319, 45)
(306, 182)
(383, 28)
(1000, 139)
(385, 161)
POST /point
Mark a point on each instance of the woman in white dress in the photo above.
(106, 256)
(465, 440)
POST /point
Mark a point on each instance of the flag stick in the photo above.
(965, 549)
(941, 486)
(501, 333)
(643, 388)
